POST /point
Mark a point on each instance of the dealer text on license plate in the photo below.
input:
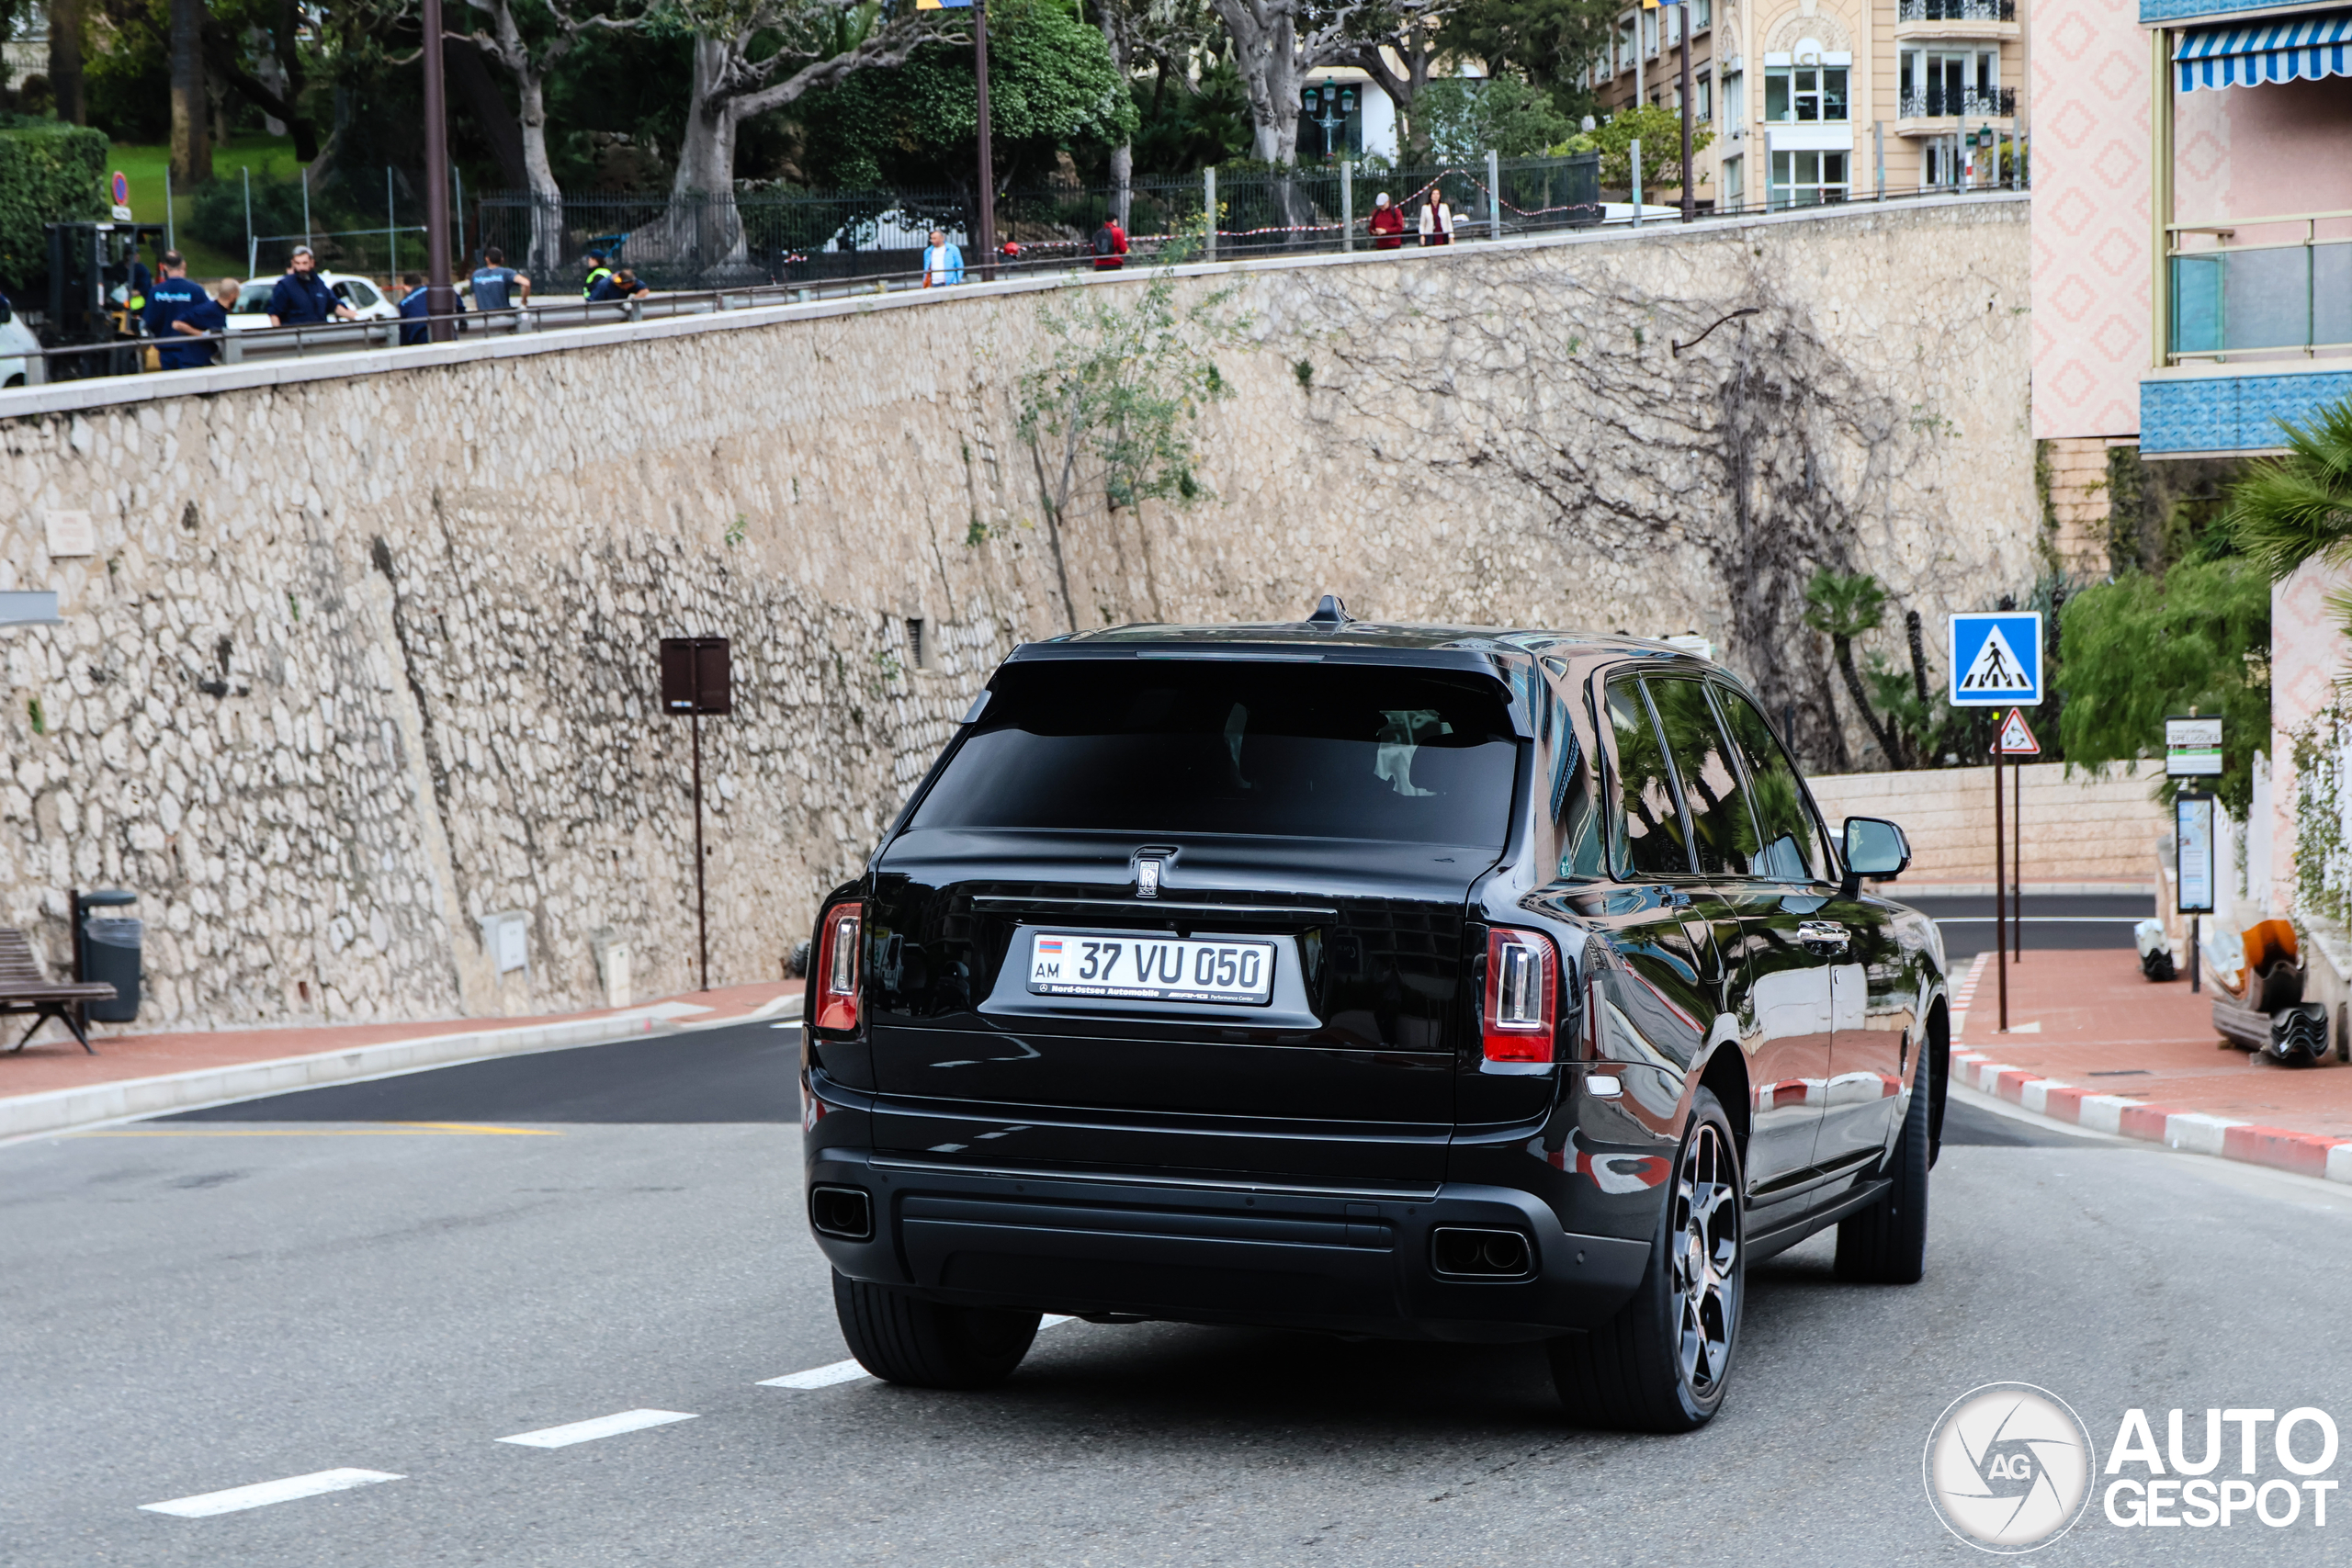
(1150, 969)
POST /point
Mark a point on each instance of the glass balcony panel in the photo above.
(2266, 298)
(2195, 304)
(2332, 293)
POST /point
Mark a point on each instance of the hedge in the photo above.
(49, 173)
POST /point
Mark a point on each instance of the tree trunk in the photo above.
(547, 196)
(65, 61)
(191, 147)
(703, 228)
(1123, 175)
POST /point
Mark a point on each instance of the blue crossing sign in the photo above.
(1996, 658)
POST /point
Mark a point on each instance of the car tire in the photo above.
(1661, 1364)
(902, 1338)
(1886, 1244)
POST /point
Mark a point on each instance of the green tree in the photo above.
(2291, 508)
(1660, 130)
(1466, 117)
(2142, 648)
(1548, 41)
(1845, 606)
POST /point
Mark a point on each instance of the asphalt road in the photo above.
(2050, 921)
(317, 1281)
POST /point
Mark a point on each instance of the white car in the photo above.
(366, 300)
(16, 340)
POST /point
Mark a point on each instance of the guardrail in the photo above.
(2236, 298)
(127, 356)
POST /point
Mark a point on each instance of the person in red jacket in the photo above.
(1110, 246)
(1387, 223)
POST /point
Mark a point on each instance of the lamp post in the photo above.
(1683, 30)
(440, 295)
(988, 152)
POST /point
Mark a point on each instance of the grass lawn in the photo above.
(269, 157)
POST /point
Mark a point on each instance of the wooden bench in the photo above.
(23, 988)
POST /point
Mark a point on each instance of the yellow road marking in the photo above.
(397, 1129)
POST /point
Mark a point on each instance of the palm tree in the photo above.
(2291, 508)
(1844, 605)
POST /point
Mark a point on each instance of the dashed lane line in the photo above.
(205, 1504)
(602, 1427)
(850, 1371)
(388, 1130)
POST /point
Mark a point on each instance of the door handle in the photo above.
(1823, 933)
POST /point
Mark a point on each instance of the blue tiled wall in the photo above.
(2154, 11)
(2231, 413)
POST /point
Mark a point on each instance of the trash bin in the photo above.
(111, 952)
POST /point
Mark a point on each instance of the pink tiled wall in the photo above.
(2090, 217)
(2308, 655)
(2241, 153)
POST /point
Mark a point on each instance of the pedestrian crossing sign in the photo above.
(1996, 658)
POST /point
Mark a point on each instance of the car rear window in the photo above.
(1182, 746)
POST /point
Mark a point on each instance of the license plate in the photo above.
(1151, 969)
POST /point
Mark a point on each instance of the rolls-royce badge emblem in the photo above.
(1147, 879)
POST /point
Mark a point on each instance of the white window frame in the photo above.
(1785, 193)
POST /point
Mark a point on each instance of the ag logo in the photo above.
(2009, 1467)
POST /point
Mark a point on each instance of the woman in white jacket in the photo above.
(1437, 220)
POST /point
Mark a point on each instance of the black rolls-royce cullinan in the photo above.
(1419, 981)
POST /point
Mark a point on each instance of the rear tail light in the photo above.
(1522, 988)
(834, 982)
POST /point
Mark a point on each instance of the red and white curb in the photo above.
(2306, 1153)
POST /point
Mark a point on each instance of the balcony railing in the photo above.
(2261, 299)
(1956, 11)
(1971, 103)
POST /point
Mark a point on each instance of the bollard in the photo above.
(1636, 148)
(1208, 193)
(1494, 195)
(1347, 205)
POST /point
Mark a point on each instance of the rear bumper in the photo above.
(1325, 1259)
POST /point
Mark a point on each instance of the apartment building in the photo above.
(1829, 100)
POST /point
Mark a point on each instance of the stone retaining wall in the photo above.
(365, 654)
(2096, 826)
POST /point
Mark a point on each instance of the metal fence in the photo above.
(793, 239)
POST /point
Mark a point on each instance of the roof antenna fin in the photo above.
(1330, 611)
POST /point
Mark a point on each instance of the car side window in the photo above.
(1645, 826)
(1721, 835)
(1789, 836)
(1574, 811)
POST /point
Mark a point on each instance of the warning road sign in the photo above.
(2017, 739)
(1996, 659)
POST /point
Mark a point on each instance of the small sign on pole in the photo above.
(698, 677)
(1996, 658)
(2192, 748)
(2193, 859)
(2016, 738)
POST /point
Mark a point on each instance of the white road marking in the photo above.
(602, 1427)
(206, 1503)
(850, 1371)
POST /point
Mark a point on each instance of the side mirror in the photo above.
(1874, 848)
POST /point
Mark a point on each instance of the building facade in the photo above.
(1831, 100)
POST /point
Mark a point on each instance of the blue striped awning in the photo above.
(2287, 49)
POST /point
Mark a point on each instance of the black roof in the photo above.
(1370, 636)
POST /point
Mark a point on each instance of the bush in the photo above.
(219, 220)
(49, 173)
(1466, 117)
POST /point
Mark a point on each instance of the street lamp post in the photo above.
(440, 295)
(987, 152)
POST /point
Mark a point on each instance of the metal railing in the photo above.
(2293, 296)
(1970, 103)
(1956, 11)
(1535, 206)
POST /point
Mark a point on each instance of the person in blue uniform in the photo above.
(416, 313)
(302, 298)
(167, 298)
(196, 319)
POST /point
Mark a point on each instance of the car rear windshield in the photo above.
(1182, 746)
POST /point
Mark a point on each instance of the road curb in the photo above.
(63, 1110)
(2306, 1153)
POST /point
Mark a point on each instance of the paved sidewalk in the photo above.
(52, 1085)
(2093, 1043)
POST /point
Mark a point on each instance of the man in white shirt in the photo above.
(942, 264)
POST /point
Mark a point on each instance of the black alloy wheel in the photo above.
(1662, 1363)
(1886, 1244)
(902, 1338)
